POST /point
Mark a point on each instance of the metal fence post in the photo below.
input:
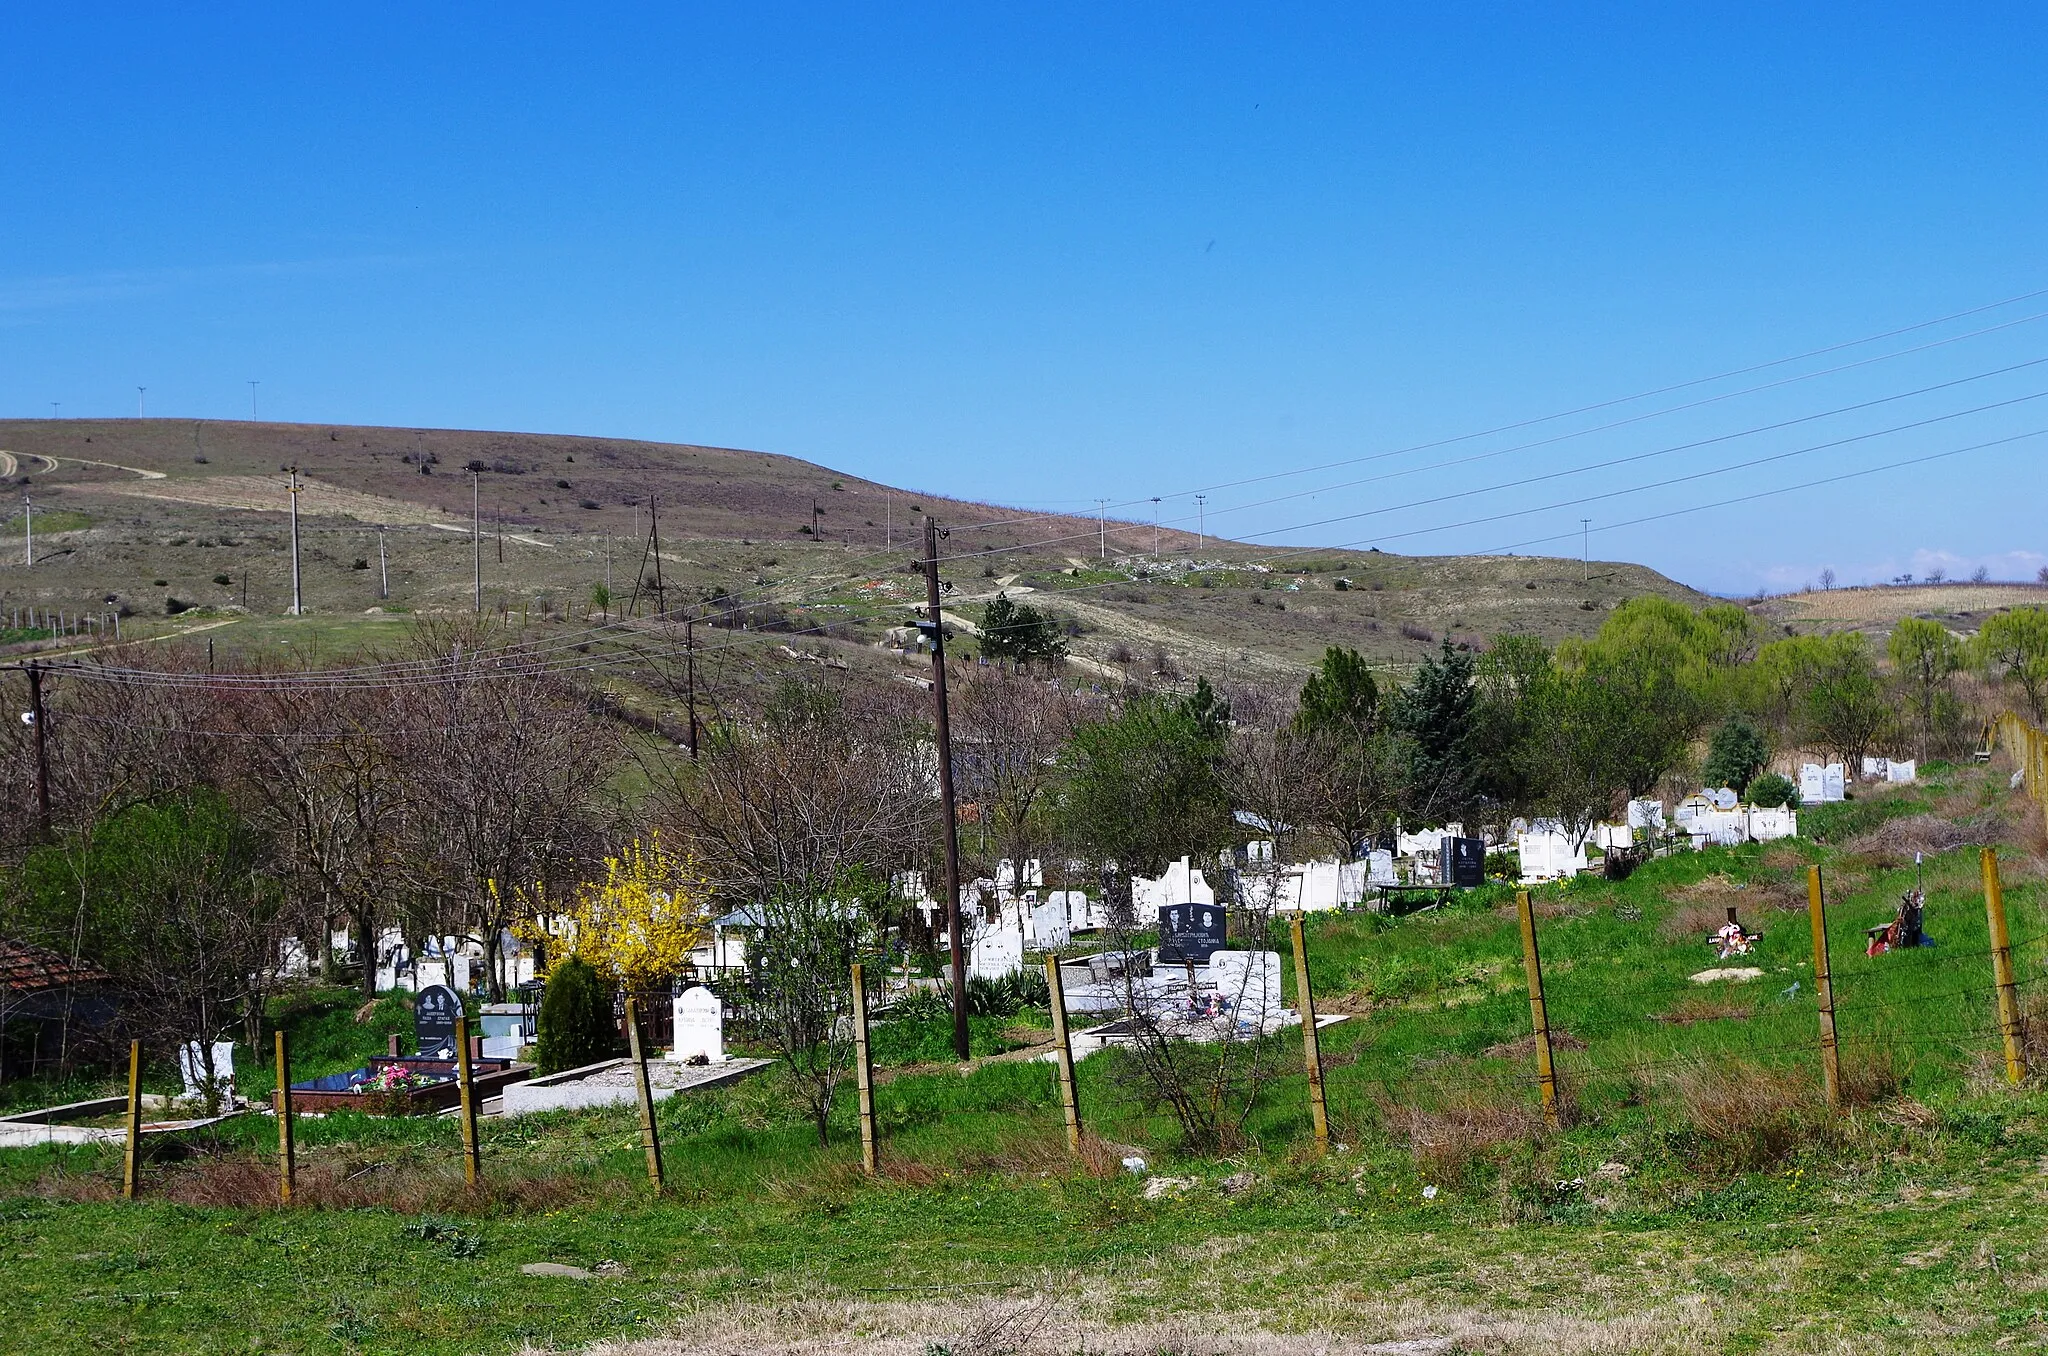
(287, 1165)
(650, 1133)
(472, 1166)
(864, 1071)
(1823, 989)
(2001, 970)
(1311, 1043)
(1539, 1016)
(1063, 1053)
(134, 1123)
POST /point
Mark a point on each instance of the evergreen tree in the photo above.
(1011, 630)
(1735, 755)
(576, 1026)
(1435, 713)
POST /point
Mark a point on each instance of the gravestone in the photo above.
(433, 1021)
(1812, 784)
(1191, 932)
(1832, 783)
(1249, 981)
(192, 1068)
(996, 952)
(700, 1026)
(460, 963)
(1049, 925)
(1461, 862)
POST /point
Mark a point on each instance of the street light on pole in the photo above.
(1155, 527)
(1102, 529)
(1201, 521)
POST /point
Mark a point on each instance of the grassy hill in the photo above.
(147, 511)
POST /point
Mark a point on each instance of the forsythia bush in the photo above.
(639, 924)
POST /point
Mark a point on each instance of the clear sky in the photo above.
(1044, 254)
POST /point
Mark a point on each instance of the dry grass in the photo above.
(1750, 1114)
(1020, 1155)
(1893, 843)
(1049, 1323)
(246, 1183)
(1448, 1129)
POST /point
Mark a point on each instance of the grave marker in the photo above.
(1191, 932)
(700, 1026)
(434, 1015)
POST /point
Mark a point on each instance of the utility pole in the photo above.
(815, 511)
(1155, 527)
(476, 543)
(37, 718)
(888, 522)
(1201, 520)
(383, 568)
(141, 408)
(937, 634)
(654, 539)
(1585, 550)
(252, 401)
(28, 526)
(1102, 530)
(297, 601)
(690, 677)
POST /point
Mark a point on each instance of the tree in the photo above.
(1844, 709)
(1006, 743)
(501, 770)
(1345, 759)
(1736, 754)
(803, 817)
(2013, 647)
(1574, 756)
(1772, 790)
(1020, 631)
(1434, 713)
(575, 1020)
(1145, 786)
(1926, 656)
(638, 926)
(170, 898)
(1506, 674)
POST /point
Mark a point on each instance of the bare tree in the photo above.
(802, 816)
(1006, 748)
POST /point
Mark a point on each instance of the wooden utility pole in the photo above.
(1539, 1014)
(2009, 1024)
(690, 677)
(650, 1132)
(936, 632)
(40, 719)
(1063, 1051)
(864, 1072)
(1311, 1043)
(1823, 989)
(654, 535)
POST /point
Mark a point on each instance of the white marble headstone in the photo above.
(192, 1067)
(700, 1025)
(1250, 982)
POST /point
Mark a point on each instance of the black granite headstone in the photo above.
(1191, 932)
(434, 1010)
(1462, 862)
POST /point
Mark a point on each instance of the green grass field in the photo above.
(1700, 1198)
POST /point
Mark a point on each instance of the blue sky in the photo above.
(1046, 255)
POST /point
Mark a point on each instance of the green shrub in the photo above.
(576, 1026)
(1773, 789)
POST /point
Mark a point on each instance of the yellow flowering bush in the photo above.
(635, 927)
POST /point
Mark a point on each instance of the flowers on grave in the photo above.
(393, 1078)
(1731, 940)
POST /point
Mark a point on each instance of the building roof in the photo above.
(26, 969)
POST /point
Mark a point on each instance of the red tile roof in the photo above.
(28, 969)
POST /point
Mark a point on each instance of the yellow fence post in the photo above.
(1311, 1043)
(472, 1166)
(1063, 1053)
(864, 1071)
(1823, 988)
(1539, 1016)
(134, 1123)
(650, 1133)
(2001, 970)
(287, 1166)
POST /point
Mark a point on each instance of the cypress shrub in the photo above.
(576, 1025)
